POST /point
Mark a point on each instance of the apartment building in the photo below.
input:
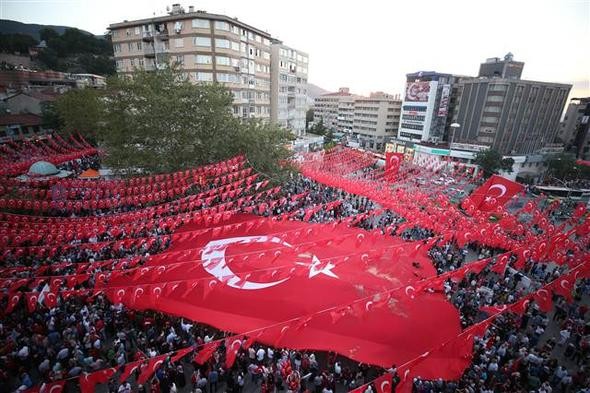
(326, 108)
(574, 131)
(207, 47)
(376, 119)
(288, 87)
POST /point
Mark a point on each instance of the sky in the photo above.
(371, 45)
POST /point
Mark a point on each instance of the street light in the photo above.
(454, 128)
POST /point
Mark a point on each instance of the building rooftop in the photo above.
(187, 15)
(24, 119)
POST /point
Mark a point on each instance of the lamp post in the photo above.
(454, 127)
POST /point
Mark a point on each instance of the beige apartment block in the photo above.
(207, 48)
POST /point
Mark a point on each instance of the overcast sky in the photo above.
(370, 45)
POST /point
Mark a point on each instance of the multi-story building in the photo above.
(289, 87)
(574, 131)
(345, 117)
(512, 116)
(506, 68)
(426, 106)
(376, 118)
(207, 47)
(326, 108)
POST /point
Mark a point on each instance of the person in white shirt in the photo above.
(260, 354)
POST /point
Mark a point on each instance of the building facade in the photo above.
(512, 116)
(376, 119)
(206, 47)
(327, 107)
(289, 87)
(574, 131)
(426, 106)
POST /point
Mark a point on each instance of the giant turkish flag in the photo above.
(496, 191)
(298, 285)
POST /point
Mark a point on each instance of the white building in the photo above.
(289, 87)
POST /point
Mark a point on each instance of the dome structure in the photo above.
(43, 168)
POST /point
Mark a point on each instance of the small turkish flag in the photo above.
(32, 298)
(12, 301)
(496, 191)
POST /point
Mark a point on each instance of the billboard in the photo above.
(417, 92)
(443, 107)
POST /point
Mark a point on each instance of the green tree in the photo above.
(47, 34)
(79, 110)
(160, 122)
(319, 128)
(308, 118)
(10, 43)
(491, 162)
(561, 166)
(50, 116)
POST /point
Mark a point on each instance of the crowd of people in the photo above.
(539, 352)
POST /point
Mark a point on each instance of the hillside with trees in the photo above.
(67, 50)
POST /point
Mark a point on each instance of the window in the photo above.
(137, 30)
(120, 64)
(266, 55)
(201, 24)
(117, 48)
(141, 63)
(222, 60)
(203, 59)
(220, 25)
(266, 42)
(414, 108)
(132, 63)
(258, 38)
(235, 46)
(128, 32)
(115, 33)
(222, 43)
(204, 76)
(231, 78)
(130, 47)
(178, 42)
(418, 127)
(202, 41)
(179, 59)
(138, 45)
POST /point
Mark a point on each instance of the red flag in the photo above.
(501, 263)
(256, 292)
(206, 352)
(88, 381)
(383, 383)
(50, 387)
(180, 354)
(12, 301)
(128, 369)
(564, 286)
(32, 299)
(232, 346)
(150, 368)
(496, 191)
(543, 298)
(50, 300)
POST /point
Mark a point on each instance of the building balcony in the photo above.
(149, 52)
(164, 35)
(147, 36)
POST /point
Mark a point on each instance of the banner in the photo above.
(282, 277)
(393, 161)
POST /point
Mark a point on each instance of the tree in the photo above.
(308, 118)
(16, 42)
(491, 162)
(47, 33)
(561, 166)
(319, 128)
(161, 122)
(50, 116)
(78, 110)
